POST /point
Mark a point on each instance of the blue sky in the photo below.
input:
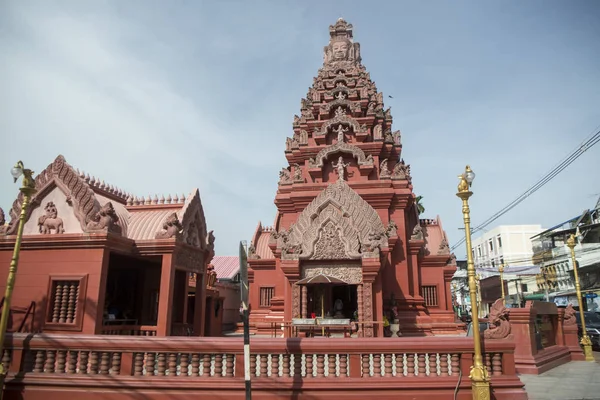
(161, 97)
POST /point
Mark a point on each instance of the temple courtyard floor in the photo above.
(576, 380)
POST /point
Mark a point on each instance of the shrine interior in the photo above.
(132, 290)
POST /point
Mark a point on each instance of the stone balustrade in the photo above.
(41, 366)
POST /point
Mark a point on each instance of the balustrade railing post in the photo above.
(16, 361)
(126, 363)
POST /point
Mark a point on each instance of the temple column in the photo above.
(295, 301)
(360, 306)
(200, 305)
(165, 297)
(414, 247)
(304, 301)
(368, 308)
(378, 306)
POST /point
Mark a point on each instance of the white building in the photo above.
(509, 245)
(554, 259)
(505, 244)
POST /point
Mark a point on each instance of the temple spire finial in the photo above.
(341, 46)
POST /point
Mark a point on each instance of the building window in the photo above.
(66, 298)
(491, 246)
(523, 288)
(266, 294)
(493, 264)
(499, 242)
(429, 294)
(479, 250)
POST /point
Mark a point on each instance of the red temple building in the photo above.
(95, 260)
(347, 241)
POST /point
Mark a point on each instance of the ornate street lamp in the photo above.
(28, 189)
(585, 342)
(480, 381)
(501, 270)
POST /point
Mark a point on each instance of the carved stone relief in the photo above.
(298, 174)
(189, 259)
(170, 228)
(342, 147)
(50, 221)
(295, 301)
(285, 177)
(377, 132)
(444, 247)
(357, 222)
(344, 120)
(417, 233)
(368, 308)
(329, 246)
(384, 172)
(3, 225)
(401, 171)
(252, 253)
(392, 229)
(349, 273)
(105, 220)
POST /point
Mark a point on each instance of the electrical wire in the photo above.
(588, 143)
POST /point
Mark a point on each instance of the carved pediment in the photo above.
(337, 224)
(342, 147)
(343, 120)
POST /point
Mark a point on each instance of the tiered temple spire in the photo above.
(343, 108)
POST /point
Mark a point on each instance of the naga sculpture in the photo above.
(104, 220)
(500, 327)
(170, 228)
(3, 224)
(50, 221)
(569, 318)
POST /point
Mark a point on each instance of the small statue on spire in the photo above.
(340, 133)
(340, 168)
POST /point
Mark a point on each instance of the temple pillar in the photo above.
(401, 267)
(165, 297)
(414, 247)
(360, 306)
(378, 306)
(304, 301)
(368, 309)
(200, 305)
(291, 270)
(295, 301)
(100, 306)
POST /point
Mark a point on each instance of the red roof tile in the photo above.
(226, 267)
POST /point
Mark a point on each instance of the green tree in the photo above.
(420, 207)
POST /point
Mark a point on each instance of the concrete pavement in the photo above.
(576, 380)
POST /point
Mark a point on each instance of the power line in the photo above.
(588, 143)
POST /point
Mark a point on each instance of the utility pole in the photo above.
(245, 317)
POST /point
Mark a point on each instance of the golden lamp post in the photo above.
(28, 189)
(478, 283)
(480, 381)
(501, 270)
(585, 342)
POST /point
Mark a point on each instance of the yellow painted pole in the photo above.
(28, 189)
(480, 381)
(585, 342)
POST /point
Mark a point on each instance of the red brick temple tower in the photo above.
(347, 241)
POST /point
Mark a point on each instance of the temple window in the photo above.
(65, 302)
(429, 294)
(266, 294)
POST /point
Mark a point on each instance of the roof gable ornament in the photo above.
(337, 224)
(79, 193)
